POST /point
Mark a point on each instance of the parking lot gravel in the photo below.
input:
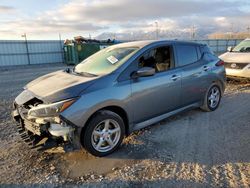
(192, 149)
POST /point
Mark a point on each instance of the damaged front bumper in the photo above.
(42, 134)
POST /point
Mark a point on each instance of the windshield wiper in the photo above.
(87, 74)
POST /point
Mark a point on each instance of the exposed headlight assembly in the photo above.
(50, 110)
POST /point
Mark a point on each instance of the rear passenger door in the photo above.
(193, 73)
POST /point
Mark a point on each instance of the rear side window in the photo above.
(187, 54)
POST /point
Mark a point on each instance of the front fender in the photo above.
(89, 103)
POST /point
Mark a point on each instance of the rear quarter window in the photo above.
(207, 53)
(209, 57)
(186, 54)
(205, 49)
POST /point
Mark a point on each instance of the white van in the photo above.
(237, 60)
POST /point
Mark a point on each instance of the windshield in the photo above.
(244, 46)
(105, 61)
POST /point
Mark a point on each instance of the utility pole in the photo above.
(193, 32)
(232, 31)
(248, 31)
(132, 36)
(156, 30)
(27, 47)
(114, 36)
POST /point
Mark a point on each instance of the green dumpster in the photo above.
(74, 53)
(70, 54)
(86, 50)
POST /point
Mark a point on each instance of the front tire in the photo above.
(212, 98)
(104, 133)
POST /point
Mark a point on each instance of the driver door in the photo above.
(158, 94)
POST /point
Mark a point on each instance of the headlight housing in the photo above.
(50, 110)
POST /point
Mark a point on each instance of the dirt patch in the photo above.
(192, 149)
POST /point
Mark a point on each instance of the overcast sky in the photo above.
(45, 19)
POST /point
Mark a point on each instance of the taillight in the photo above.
(220, 63)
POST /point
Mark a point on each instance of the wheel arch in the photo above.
(113, 108)
(220, 84)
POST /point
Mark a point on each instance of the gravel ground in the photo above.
(192, 149)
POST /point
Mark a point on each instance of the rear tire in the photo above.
(104, 133)
(212, 98)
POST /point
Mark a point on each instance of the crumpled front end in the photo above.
(237, 64)
(240, 70)
(40, 125)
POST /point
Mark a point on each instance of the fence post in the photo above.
(217, 46)
(27, 47)
(62, 50)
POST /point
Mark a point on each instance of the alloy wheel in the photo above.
(106, 135)
(214, 97)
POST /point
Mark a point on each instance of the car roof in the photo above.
(141, 44)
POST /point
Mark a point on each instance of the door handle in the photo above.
(175, 77)
(206, 68)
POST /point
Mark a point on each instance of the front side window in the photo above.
(244, 46)
(186, 54)
(105, 61)
(159, 58)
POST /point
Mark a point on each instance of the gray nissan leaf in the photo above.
(116, 91)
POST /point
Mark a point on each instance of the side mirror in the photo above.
(247, 49)
(143, 72)
(230, 48)
(67, 70)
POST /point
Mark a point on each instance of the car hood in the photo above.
(55, 86)
(236, 57)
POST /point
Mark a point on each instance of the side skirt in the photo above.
(163, 116)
